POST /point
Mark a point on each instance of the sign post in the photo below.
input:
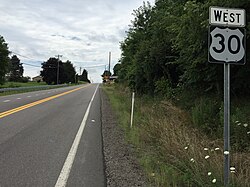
(226, 124)
(227, 45)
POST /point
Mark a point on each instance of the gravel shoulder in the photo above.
(121, 166)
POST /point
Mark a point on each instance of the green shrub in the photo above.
(163, 87)
(206, 115)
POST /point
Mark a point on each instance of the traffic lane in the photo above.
(14, 123)
(88, 166)
(39, 140)
(14, 101)
(11, 101)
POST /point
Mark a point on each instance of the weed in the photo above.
(171, 150)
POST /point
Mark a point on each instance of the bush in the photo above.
(206, 115)
(163, 87)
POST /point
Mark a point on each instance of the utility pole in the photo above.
(109, 60)
(57, 78)
(80, 71)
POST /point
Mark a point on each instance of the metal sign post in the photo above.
(227, 45)
(226, 123)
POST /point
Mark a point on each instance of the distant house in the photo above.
(113, 78)
(37, 78)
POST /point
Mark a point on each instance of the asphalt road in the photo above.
(52, 138)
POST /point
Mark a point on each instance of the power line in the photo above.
(21, 55)
(31, 65)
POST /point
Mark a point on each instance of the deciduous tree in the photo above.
(4, 59)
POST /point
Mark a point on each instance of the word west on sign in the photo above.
(227, 16)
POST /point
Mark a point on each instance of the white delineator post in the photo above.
(132, 110)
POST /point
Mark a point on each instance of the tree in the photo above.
(49, 72)
(66, 71)
(15, 69)
(168, 43)
(84, 76)
(105, 76)
(4, 59)
(116, 69)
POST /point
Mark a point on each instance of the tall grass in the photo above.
(171, 150)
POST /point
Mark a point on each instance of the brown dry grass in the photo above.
(164, 131)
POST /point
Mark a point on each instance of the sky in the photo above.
(82, 31)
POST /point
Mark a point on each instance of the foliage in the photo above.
(116, 69)
(106, 74)
(84, 76)
(49, 72)
(171, 150)
(201, 113)
(4, 59)
(169, 41)
(50, 68)
(68, 73)
(15, 69)
(21, 84)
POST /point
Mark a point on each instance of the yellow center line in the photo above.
(12, 111)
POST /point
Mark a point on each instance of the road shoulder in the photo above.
(121, 165)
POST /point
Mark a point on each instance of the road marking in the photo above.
(29, 96)
(6, 101)
(18, 98)
(12, 111)
(64, 175)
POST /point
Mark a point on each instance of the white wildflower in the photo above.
(186, 148)
(239, 124)
(232, 171)
(245, 125)
(192, 160)
(214, 181)
(226, 152)
(205, 149)
(236, 121)
(248, 132)
(232, 168)
(209, 173)
(217, 148)
(206, 157)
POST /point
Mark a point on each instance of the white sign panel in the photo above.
(227, 45)
(227, 17)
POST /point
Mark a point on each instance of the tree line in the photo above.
(166, 49)
(54, 71)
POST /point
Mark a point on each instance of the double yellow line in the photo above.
(12, 111)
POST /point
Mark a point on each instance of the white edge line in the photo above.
(63, 177)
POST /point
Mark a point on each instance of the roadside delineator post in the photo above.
(132, 110)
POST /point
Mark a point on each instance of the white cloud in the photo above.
(83, 31)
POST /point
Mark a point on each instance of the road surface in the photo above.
(52, 138)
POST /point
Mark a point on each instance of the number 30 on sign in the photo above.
(227, 45)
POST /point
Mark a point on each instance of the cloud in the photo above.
(82, 31)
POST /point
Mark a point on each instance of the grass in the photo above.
(172, 151)
(28, 84)
(20, 84)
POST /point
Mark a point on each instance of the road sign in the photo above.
(227, 45)
(227, 17)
